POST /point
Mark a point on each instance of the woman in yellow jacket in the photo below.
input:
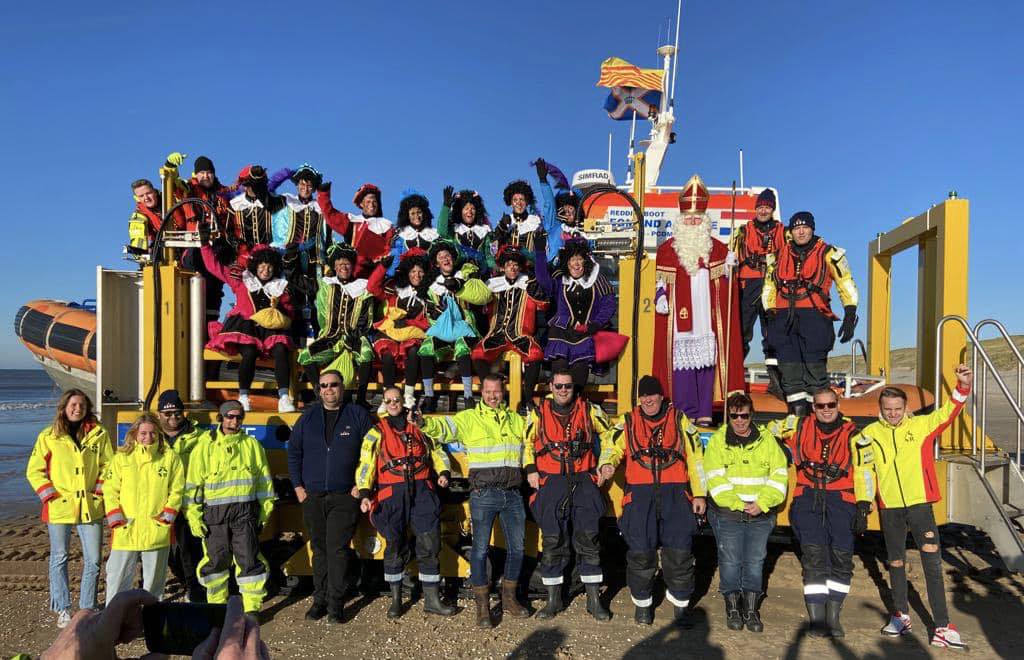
(65, 469)
(142, 489)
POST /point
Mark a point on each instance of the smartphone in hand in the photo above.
(178, 628)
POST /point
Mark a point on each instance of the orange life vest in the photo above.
(404, 455)
(654, 450)
(564, 443)
(804, 280)
(823, 461)
(757, 245)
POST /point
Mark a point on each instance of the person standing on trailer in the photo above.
(492, 437)
(664, 494)
(369, 232)
(405, 467)
(904, 453)
(797, 299)
(563, 443)
(182, 435)
(831, 502)
(229, 496)
(754, 243)
(323, 452)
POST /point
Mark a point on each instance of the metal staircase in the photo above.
(985, 488)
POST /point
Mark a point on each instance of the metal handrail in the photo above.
(988, 364)
(853, 354)
(1020, 369)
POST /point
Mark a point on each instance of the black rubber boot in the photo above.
(733, 618)
(832, 610)
(798, 408)
(644, 615)
(775, 382)
(316, 612)
(336, 613)
(752, 613)
(594, 606)
(816, 619)
(682, 617)
(554, 605)
(395, 610)
(432, 603)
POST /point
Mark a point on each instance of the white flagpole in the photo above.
(609, 151)
(675, 62)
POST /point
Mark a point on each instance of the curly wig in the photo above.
(464, 197)
(266, 255)
(340, 251)
(410, 202)
(572, 248)
(519, 186)
(409, 261)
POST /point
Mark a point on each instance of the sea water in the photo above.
(28, 400)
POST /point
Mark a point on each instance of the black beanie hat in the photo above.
(801, 219)
(170, 400)
(203, 164)
(649, 385)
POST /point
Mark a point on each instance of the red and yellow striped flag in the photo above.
(617, 72)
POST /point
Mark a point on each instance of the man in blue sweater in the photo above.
(323, 452)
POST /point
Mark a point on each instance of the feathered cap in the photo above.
(412, 199)
(365, 190)
(695, 196)
(252, 174)
(464, 197)
(519, 186)
(309, 173)
(341, 251)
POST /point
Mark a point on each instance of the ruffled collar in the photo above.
(531, 223)
(377, 224)
(410, 233)
(296, 204)
(274, 288)
(584, 282)
(352, 289)
(438, 288)
(243, 203)
(501, 284)
(479, 230)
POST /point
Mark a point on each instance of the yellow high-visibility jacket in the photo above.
(68, 477)
(142, 490)
(227, 469)
(187, 441)
(755, 472)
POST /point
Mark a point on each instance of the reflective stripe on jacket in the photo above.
(492, 439)
(754, 472)
(142, 491)
(228, 469)
(383, 445)
(68, 478)
(623, 441)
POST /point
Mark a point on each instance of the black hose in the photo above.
(600, 191)
(155, 257)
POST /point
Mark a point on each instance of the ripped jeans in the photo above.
(920, 521)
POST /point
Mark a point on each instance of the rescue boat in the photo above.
(62, 337)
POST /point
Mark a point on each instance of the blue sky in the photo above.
(864, 113)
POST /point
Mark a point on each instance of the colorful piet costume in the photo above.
(475, 238)
(371, 237)
(409, 236)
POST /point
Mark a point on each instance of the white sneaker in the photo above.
(410, 400)
(284, 404)
(63, 618)
(948, 637)
(244, 400)
(898, 625)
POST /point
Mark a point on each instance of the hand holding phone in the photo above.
(181, 628)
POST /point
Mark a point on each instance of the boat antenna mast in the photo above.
(661, 130)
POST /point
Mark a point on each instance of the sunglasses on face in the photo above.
(330, 386)
(739, 415)
(561, 386)
(171, 413)
(831, 405)
(235, 416)
(389, 401)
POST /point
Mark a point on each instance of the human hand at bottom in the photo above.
(93, 635)
(238, 640)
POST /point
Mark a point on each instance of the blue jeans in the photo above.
(742, 546)
(90, 535)
(485, 505)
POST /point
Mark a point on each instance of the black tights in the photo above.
(389, 369)
(247, 367)
(428, 365)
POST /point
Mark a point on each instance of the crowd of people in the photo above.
(342, 462)
(406, 295)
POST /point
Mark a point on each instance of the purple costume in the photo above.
(588, 300)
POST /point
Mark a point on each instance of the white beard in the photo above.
(692, 243)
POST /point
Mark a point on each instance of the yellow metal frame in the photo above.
(172, 315)
(940, 235)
